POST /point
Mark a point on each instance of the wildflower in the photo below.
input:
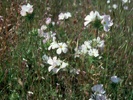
(108, 1)
(99, 93)
(53, 63)
(92, 17)
(93, 52)
(98, 97)
(62, 47)
(98, 89)
(63, 16)
(115, 79)
(56, 64)
(53, 45)
(98, 42)
(63, 65)
(115, 6)
(48, 21)
(107, 22)
(67, 15)
(26, 9)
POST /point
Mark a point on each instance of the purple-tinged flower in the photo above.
(107, 22)
(48, 21)
(98, 89)
(115, 79)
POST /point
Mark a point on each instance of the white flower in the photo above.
(53, 45)
(63, 16)
(107, 22)
(99, 42)
(26, 9)
(84, 49)
(63, 65)
(93, 52)
(92, 17)
(115, 6)
(56, 64)
(67, 15)
(62, 47)
(98, 89)
(115, 79)
(88, 44)
(53, 63)
(108, 1)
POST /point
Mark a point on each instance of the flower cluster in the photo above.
(90, 47)
(63, 16)
(95, 17)
(26, 9)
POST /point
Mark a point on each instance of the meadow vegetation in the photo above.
(50, 53)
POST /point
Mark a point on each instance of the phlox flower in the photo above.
(115, 79)
(108, 1)
(114, 6)
(26, 9)
(56, 64)
(62, 47)
(93, 52)
(99, 43)
(99, 93)
(67, 15)
(53, 45)
(107, 22)
(92, 17)
(63, 16)
(98, 89)
(53, 63)
(85, 47)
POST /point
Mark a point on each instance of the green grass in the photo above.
(18, 76)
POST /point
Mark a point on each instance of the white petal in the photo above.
(50, 68)
(64, 50)
(86, 23)
(58, 51)
(64, 65)
(87, 17)
(23, 13)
